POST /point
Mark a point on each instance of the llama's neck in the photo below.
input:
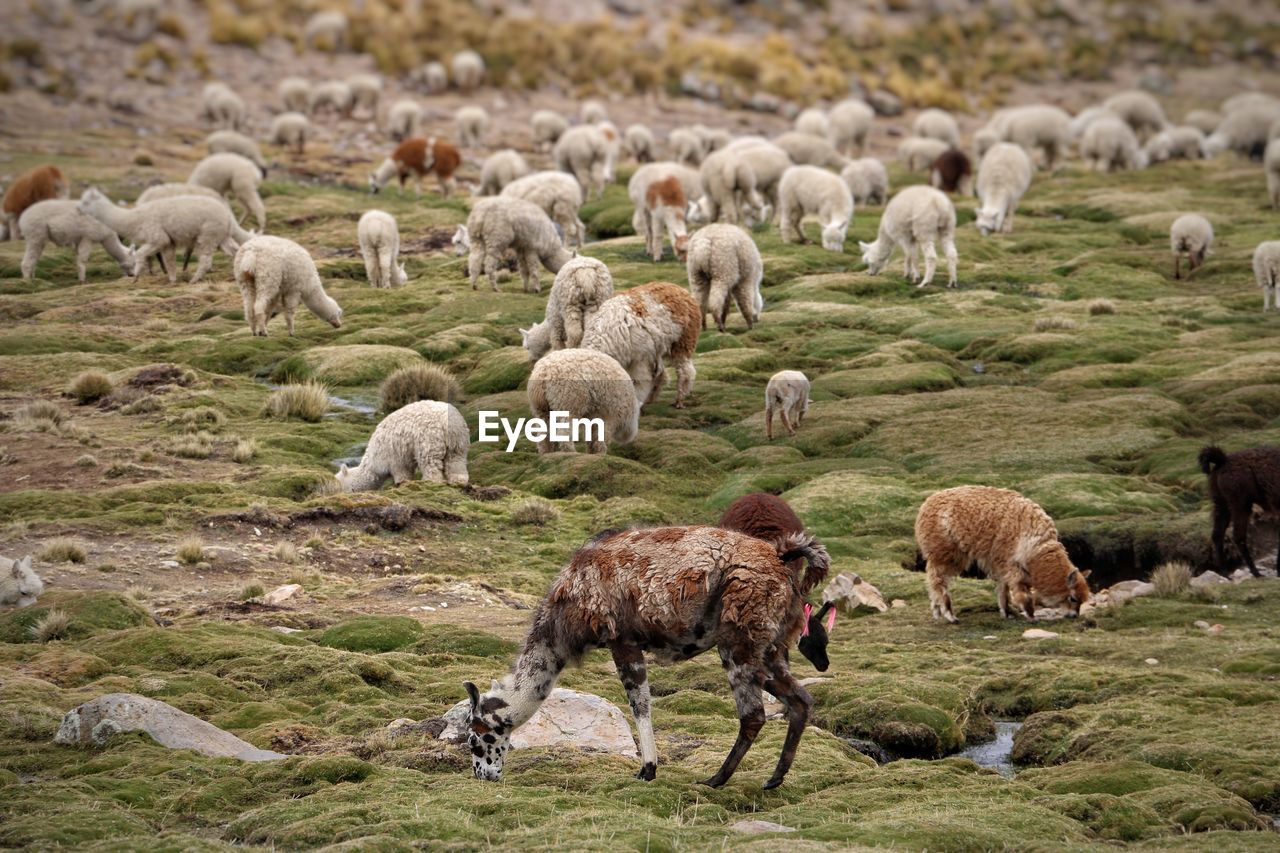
(533, 677)
(386, 171)
(321, 304)
(365, 477)
(116, 218)
(674, 220)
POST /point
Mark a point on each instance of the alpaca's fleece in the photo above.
(33, 185)
(724, 265)
(1109, 144)
(468, 69)
(432, 76)
(295, 94)
(19, 584)
(639, 143)
(223, 107)
(814, 122)
(1237, 483)
(331, 96)
(1244, 131)
(918, 153)
(1271, 161)
(1186, 143)
(686, 147)
(810, 191)
(325, 29)
(417, 158)
(850, 121)
(291, 129)
(380, 245)
(937, 124)
(1266, 271)
(656, 210)
(1158, 148)
(548, 126)
(952, 172)
(234, 176)
(728, 189)
(713, 138)
(159, 191)
(58, 222)
(366, 91)
(586, 384)
(984, 139)
(194, 223)
(868, 181)
(788, 394)
(403, 120)
(1206, 121)
(559, 195)
(502, 223)
(1081, 121)
(1003, 177)
(806, 150)
(1138, 110)
(769, 163)
(581, 287)
(500, 169)
(1039, 129)
(233, 142)
(583, 152)
(772, 519)
(275, 274)
(593, 112)
(426, 436)
(1190, 235)
(1248, 101)
(915, 218)
(473, 123)
(1011, 539)
(644, 326)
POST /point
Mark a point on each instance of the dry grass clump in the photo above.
(190, 551)
(54, 625)
(141, 405)
(198, 446)
(285, 552)
(539, 511)
(305, 401)
(1172, 579)
(1101, 306)
(327, 486)
(1055, 322)
(87, 460)
(418, 382)
(90, 386)
(245, 449)
(253, 590)
(203, 417)
(40, 415)
(62, 550)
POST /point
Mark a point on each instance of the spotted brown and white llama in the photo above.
(674, 592)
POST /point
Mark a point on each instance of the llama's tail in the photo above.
(1212, 458)
(802, 544)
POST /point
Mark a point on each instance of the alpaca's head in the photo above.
(461, 241)
(813, 642)
(833, 236)
(987, 220)
(488, 731)
(537, 340)
(681, 247)
(27, 581)
(344, 476)
(401, 276)
(89, 199)
(1058, 583)
(872, 257)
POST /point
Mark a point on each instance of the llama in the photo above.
(770, 518)
(675, 592)
(1237, 481)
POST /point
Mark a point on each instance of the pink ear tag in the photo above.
(831, 619)
(804, 632)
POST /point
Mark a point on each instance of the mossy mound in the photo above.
(498, 370)
(372, 634)
(90, 613)
(358, 364)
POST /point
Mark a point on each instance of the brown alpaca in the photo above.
(1238, 481)
(770, 518)
(33, 185)
(952, 171)
(1011, 539)
(674, 592)
(419, 157)
(665, 205)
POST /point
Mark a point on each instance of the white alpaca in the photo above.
(788, 394)
(427, 436)
(915, 218)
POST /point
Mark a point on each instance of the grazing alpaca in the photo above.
(1237, 481)
(787, 393)
(675, 592)
(770, 518)
(1011, 539)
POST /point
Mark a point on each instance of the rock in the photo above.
(1151, 661)
(281, 594)
(92, 723)
(1038, 634)
(401, 722)
(756, 827)
(849, 592)
(1207, 578)
(979, 368)
(870, 749)
(1241, 574)
(896, 603)
(1201, 624)
(990, 637)
(281, 629)
(1125, 590)
(171, 564)
(567, 718)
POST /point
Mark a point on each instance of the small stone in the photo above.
(281, 629)
(281, 594)
(1240, 575)
(171, 564)
(400, 723)
(897, 602)
(1151, 661)
(1201, 624)
(1038, 634)
(1208, 578)
(979, 368)
(990, 637)
(757, 827)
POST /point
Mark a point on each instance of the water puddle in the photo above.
(996, 753)
(362, 406)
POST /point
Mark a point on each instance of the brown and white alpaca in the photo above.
(665, 203)
(418, 157)
(674, 592)
(1011, 539)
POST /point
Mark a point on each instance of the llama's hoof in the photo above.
(714, 782)
(647, 772)
(773, 783)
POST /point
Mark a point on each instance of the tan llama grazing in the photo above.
(1011, 539)
(674, 592)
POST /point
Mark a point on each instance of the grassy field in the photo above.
(1068, 365)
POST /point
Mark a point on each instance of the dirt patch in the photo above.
(393, 517)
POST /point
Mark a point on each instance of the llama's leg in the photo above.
(938, 573)
(262, 311)
(798, 703)
(746, 678)
(83, 248)
(659, 380)
(1221, 517)
(952, 256)
(291, 303)
(31, 253)
(745, 305)
(642, 375)
(786, 421)
(250, 314)
(186, 258)
(170, 257)
(1240, 535)
(205, 254)
(1177, 265)
(685, 374)
(768, 421)
(930, 262)
(1002, 598)
(1024, 598)
(532, 264)
(631, 670)
(475, 265)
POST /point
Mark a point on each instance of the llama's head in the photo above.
(987, 220)
(833, 236)
(872, 257)
(537, 340)
(400, 276)
(813, 642)
(344, 477)
(461, 241)
(488, 732)
(681, 247)
(1058, 583)
(91, 197)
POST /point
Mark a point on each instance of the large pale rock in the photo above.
(92, 723)
(567, 718)
(849, 592)
(1208, 578)
(756, 827)
(1038, 634)
(1131, 589)
(281, 594)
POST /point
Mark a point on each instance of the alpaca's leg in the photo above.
(798, 703)
(455, 468)
(31, 253)
(205, 255)
(186, 259)
(786, 421)
(170, 257)
(532, 265)
(685, 374)
(291, 303)
(746, 678)
(631, 670)
(952, 256)
(939, 570)
(1221, 518)
(1177, 265)
(83, 248)
(768, 421)
(1002, 598)
(143, 254)
(1240, 535)
(742, 296)
(930, 263)
(492, 261)
(250, 313)
(659, 380)
(475, 265)
(262, 311)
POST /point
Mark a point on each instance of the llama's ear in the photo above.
(1083, 574)
(831, 616)
(494, 685)
(524, 337)
(16, 570)
(473, 693)
(864, 246)
(343, 469)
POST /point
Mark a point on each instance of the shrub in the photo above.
(315, 543)
(253, 590)
(198, 446)
(203, 417)
(62, 550)
(53, 625)
(417, 382)
(245, 449)
(90, 386)
(40, 414)
(306, 401)
(537, 511)
(86, 461)
(1171, 579)
(1101, 306)
(1046, 324)
(142, 405)
(190, 551)
(285, 552)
